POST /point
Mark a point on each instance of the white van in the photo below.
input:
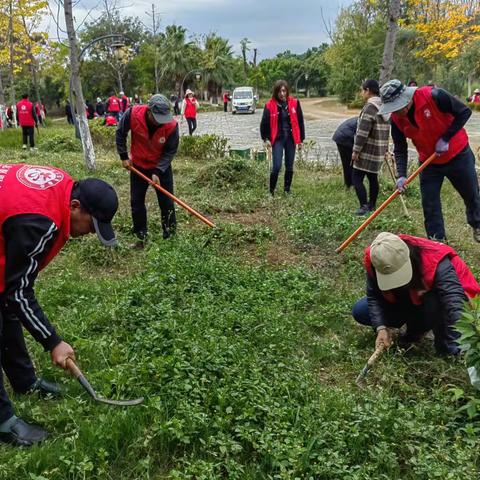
(244, 100)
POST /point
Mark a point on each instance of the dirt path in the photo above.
(328, 107)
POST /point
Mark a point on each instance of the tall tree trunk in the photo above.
(120, 81)
(2, 92)
(76, 82)
(255, 52)
(11, 54)
(389, 48)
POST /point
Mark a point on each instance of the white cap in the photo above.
(390, 257)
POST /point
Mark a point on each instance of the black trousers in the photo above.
(138, 190)
(225, 106)
(28, 134)
(357, 179)
(346, 158)
(192, 125)
(15, 361)
(460, 170)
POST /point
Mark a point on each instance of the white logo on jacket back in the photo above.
(39, 178)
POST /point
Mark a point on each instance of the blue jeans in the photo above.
(461, 173)
(419, 319)
(282, 143)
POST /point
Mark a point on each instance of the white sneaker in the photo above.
(24, 147)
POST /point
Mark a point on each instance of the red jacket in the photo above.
(110, 121)
(25, 114)
(226, 98)
(190, 108)
(272, 107)
(431, 254)
(125, 103)
(113, 104)
(146, 151)
(432, 124)
(37, 190)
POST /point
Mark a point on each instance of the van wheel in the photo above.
(233, 113)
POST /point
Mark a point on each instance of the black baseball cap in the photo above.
(159, 105)
(100, 200)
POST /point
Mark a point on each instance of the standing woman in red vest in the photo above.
(113, 106)
(282, 128)
(416, 281)
(27, 119)
(434, 120)
(189, 111)
(154, 143)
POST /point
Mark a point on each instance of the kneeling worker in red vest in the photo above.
(416, 281)
(41, 208)
(154, 143)
(434, 120)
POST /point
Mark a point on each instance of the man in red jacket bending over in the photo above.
(27, 119)
(41, 208)
(154, 143)
(418, 282)
(434, 120)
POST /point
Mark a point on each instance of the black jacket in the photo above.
(265, 123)
(449, 294)
(345, 132)
(28, 239)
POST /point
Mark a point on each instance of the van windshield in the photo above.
(243, 94)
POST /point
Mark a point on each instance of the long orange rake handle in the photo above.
(173, 197)
(384, 205)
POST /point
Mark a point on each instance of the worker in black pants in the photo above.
(344, 136)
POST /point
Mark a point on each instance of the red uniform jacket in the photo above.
(272, 107)
(25, 113)
(146, 151)
(432, 124)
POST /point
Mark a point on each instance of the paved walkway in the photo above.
(242, 131)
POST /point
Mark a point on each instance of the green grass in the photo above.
(241, 341)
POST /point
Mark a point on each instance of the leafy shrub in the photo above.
(102, 136)
(469, 328)
(203, 147)
(60, 142)
(230, 172)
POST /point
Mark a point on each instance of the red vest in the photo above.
(272, 107)
(190, 108)
(431, 254)
(35, 190)
(110, 121)
(25, 113)
(113, 104)
(432, 124)
(127, 103)
(225, 98)
(145, 150)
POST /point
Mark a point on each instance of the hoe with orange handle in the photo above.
(384, 205)
(173, 197)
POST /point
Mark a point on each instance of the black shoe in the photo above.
(363, 210)
(22, 434)
(140, 243)
(44, 388)
(166, 234)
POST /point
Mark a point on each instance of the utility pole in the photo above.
(155, 24)
(76, 82)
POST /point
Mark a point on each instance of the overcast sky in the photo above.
(273, 26)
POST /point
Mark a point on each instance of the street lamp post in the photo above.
(305, 74)
(198, 76)
(118, 45)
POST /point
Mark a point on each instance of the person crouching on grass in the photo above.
(416, 281)
(282, 128)
(369, 148)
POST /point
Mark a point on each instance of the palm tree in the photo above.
(176, 55)
(216, 63)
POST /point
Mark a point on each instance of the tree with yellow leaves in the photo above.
(444, 28)
(20, 40)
